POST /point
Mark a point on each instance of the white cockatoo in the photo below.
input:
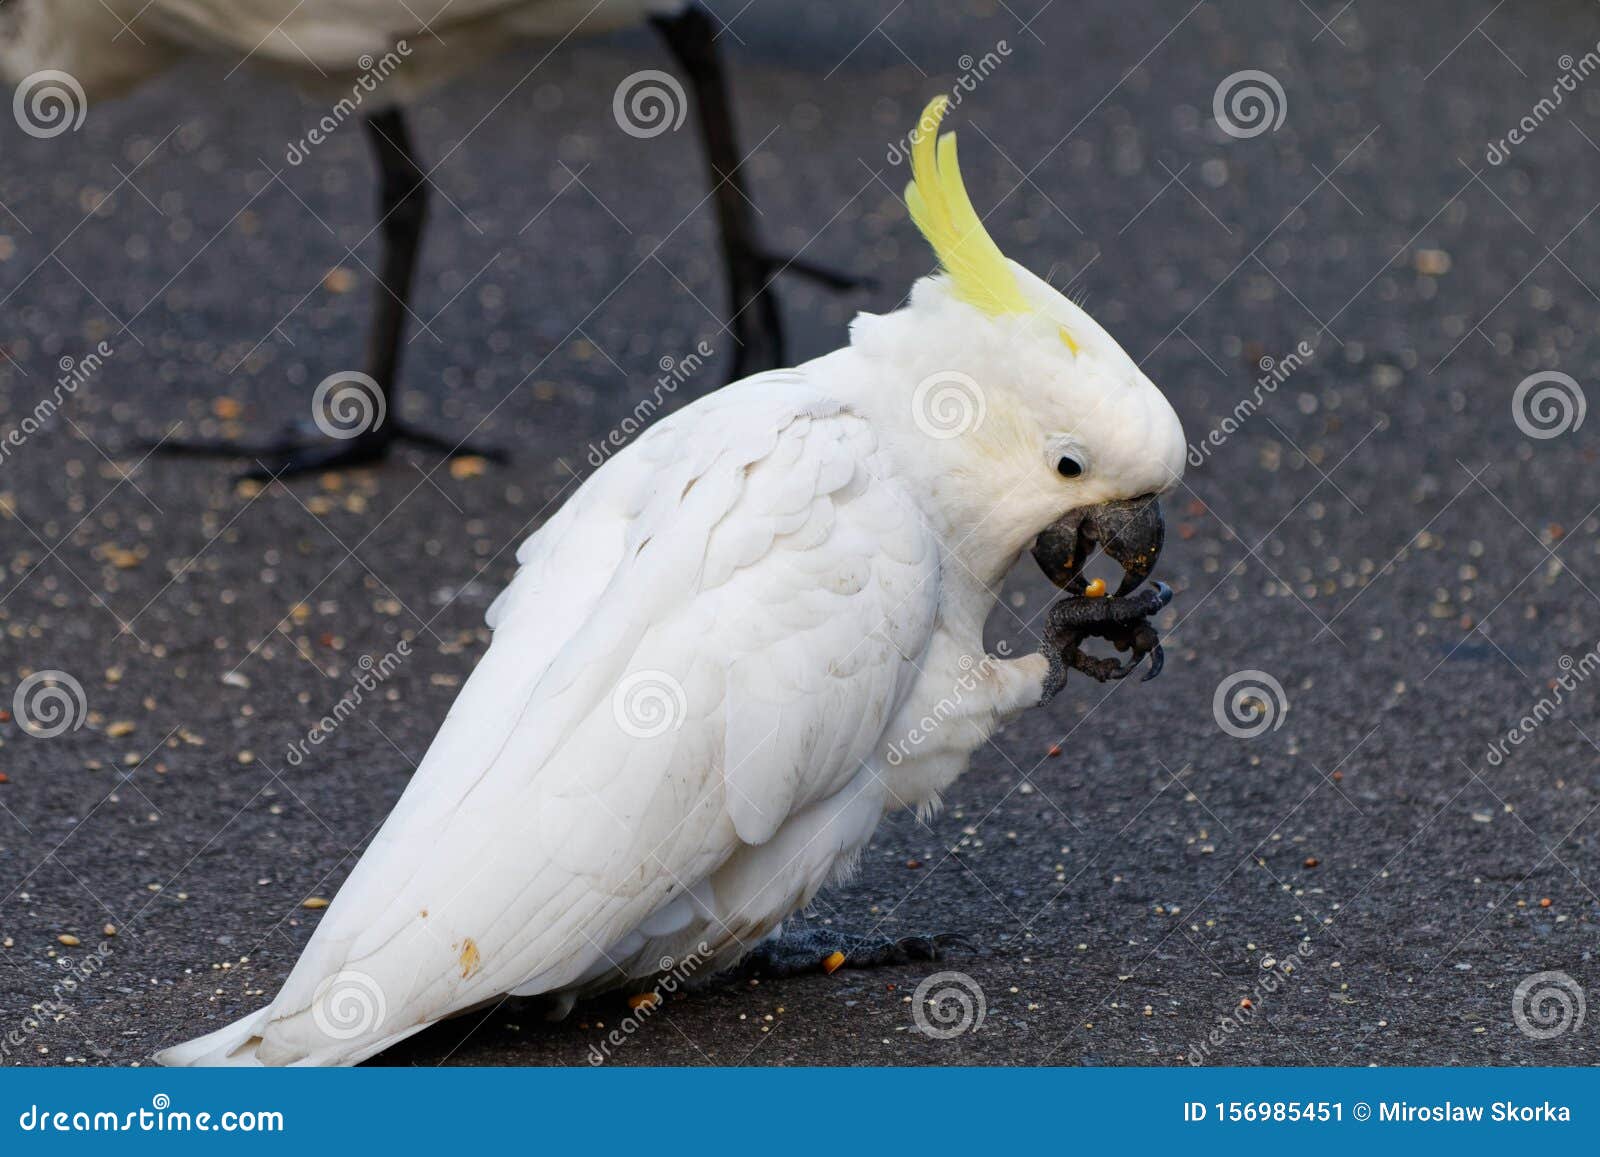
(366, 60)
(743, 640)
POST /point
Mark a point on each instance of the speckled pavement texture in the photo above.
(1381, 538)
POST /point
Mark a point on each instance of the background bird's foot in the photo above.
(838, 280)
(819, 950)
(294, 453)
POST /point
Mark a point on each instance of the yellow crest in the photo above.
(939, 205)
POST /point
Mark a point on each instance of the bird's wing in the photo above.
(710, 636)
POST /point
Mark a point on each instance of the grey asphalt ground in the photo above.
(1381, 538)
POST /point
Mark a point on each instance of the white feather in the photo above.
(548, 840)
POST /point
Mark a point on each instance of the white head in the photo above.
(1008, 401)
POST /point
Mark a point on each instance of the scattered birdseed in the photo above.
(1431, 262)
(643, 1000)
(339, 280)
(832, 962)
(314, 902)
(69, 940)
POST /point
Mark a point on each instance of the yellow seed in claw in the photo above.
(1096, 589)
(832, 962)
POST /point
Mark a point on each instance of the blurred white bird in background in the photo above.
(744, 639)
(384, 54)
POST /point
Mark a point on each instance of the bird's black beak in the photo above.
(1129, 531)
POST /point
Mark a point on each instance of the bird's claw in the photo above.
(1122, 622)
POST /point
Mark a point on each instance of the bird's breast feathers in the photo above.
(709, 638)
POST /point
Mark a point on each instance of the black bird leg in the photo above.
(402, 205)
(751, 269)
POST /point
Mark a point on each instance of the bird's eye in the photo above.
(1069, 467)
